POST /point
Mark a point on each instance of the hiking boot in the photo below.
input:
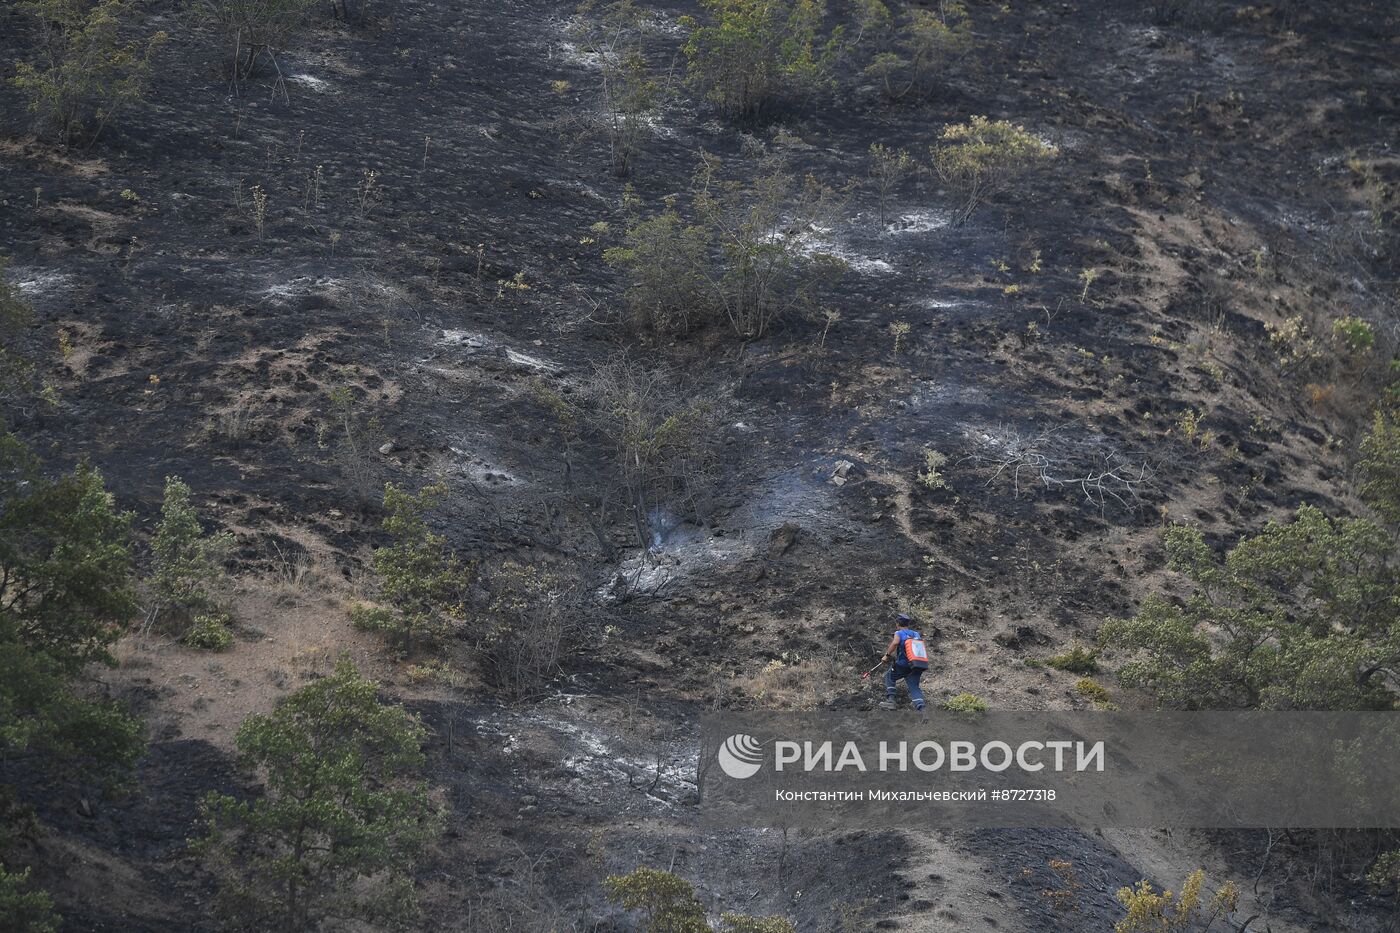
(887, 704)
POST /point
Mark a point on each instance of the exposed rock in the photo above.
(781, 539)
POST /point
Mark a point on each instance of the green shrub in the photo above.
(667, 265)
(1355, 335)
(187, 566)
(981, 157)
(255, 30)
(210, 632)
(420, 580)
(966, 703)
(85, 73)
(1384, 872)
(668, 904)
(1077, 660)
(1298, 616)
(927, 41)
(1095, 693)
(745, 256)
(22, 909)
(749, 53)
(1148, 911)
(343, 818)
(1379, 467)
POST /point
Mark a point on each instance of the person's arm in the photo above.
(892, 650)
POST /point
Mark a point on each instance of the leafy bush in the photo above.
(343, 817)
(927, 41)
(750, 53)
(533, 615)
(931, 476)
(746, 256)
(210, 632)
(1379, 467)
(255, 30)
(1151, 912)
(85, 73)
(981, 157)
(1077, 660)
(1095, 693)
(1298, 616)
(1384, 872)
(966, 703)
(667, 266)
(23, 910)
(187, 566)
(421, 581)
(668, 905)
(1356, 336)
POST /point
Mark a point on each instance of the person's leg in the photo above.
(888, 702)
(915, 692)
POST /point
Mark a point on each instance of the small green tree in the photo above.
(22, 909)
(343, 818)
(981, 157)
(187, 565)
(85, 73)
(1379, 467)
(1148, 911)
(255, 30)
(630, 86)
(1299, 616)
(749, 53)
(420, 580)
(888, 168)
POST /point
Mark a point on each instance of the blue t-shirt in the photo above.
(904, 634)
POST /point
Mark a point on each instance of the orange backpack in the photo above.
(916, 652)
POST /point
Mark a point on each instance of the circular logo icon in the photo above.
(740, 756)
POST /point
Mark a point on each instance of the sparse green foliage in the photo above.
(668, 904)
(420, 580)
(981, 157)
(1148, 911)
(631, 89)
(255, 30)
(966, 703)
(746, 256)
(1379, 467)
(1095, 693)
(931, 477)
(343, 817)
(210, 632)
(187, 566)
(533, 613)
(926, 42)
(667, 266)
(86, 73)
(888, 168)
(661, 440)
(23, 909)
(1355, 335)
(750, 53)
(1077, 660)
(1384, 872)
(739, 923)
(1298, 616)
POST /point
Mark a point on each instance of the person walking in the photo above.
(909, 659)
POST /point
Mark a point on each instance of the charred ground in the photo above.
(1202, 172)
